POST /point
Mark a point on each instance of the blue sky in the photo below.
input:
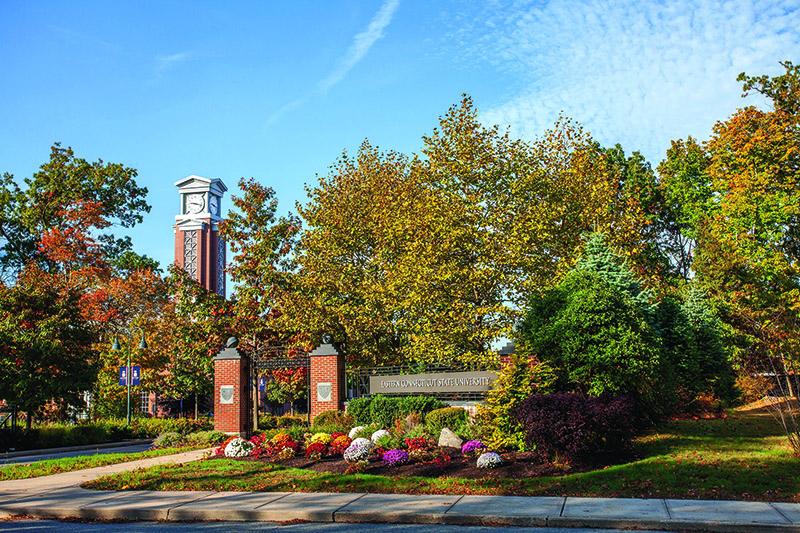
(277, 90)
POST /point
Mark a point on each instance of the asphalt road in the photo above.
(73, 453)
(36, 526)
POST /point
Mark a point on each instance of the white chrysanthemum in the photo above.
(355, 430)
(239, 447)
(363, 442)
(358, 450)
(489, 460)
(379, 435)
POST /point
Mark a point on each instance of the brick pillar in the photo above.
(326, 370)
(231, 390)
(506, 352)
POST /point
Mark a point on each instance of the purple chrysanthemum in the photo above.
(395, 458)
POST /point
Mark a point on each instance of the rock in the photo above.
(448, 438)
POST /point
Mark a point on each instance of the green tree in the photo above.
(351, 253)
(600, 258)
(429, 257)
(595, 339)
(45, 345)
(261, 265)
(743, 209)
(26, 214)
(190, 336)
(686, 188)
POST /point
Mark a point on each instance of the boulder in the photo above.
(448, 438)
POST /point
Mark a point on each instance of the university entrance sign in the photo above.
(432, 383)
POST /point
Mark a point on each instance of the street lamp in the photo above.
(116, 347)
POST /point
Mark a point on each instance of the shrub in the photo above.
(204, 438)
(395, 458)
(366, 432)
(489, 460)
(267, 422)
(516, 381)
(287, 421)
(167, 440)
(418, 432)
(568, 425)
(595, 339)
(389, 442)
(419, 404)
(333, 418)
(452, 418)
(238, 447)
(359, 410)
(383, 410)
(147, 427)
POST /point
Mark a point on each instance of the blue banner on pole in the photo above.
(261, 383)
(123, 375)
(135, 375)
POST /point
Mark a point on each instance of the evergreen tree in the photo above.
(518, 380)
(600, 258)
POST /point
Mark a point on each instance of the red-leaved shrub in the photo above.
(569, 426)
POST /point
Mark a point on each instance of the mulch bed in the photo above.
(517, 465)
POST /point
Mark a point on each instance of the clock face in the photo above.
(213, 205)
(195, 203)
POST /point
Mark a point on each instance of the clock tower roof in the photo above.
(200, 184)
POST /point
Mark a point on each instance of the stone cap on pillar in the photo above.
(328, 347)
(230, 351)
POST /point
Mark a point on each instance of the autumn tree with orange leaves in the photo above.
(737, 198)
(56, 258)
(260, 265)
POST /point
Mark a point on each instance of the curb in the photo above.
(45, 451)
(332, 507)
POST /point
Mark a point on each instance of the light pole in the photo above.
(116, 347)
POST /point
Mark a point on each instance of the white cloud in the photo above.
(166, 62)
(361, 45)
(637, 73)
(362, 42)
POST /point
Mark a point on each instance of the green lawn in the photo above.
(742, 457)
(57, 466)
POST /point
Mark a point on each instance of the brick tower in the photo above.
(198, 248)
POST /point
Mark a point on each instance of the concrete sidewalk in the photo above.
(60, 496)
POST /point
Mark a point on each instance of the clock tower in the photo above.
(198, 248)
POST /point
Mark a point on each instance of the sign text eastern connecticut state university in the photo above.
(450, 382)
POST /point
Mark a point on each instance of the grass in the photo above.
(742, 457)
(70, 464)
